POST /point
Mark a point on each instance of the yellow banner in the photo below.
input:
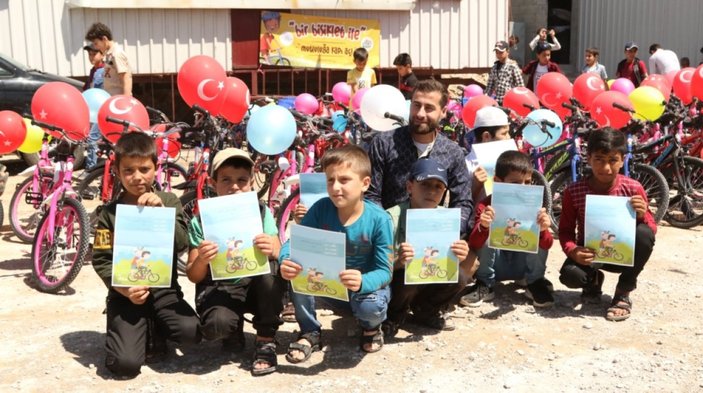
(295, 40)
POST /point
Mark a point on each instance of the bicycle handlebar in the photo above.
(123, 123)
(622, 107)
(528, 106)
(572, 108)
(201, 110)
(391, 116)
(47, 126)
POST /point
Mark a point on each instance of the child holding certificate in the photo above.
(222, 303)
(498, 265)
(369, 249)
(606, 149)
(426, 186)
(130, 310)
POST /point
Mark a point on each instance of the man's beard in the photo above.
(424, 128)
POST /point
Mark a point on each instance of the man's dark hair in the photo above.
(594, 51)
(430, 86)
(512, 161)
(235, 163)
(607, 140)
(135, 144)
(403, 59)
(361, 54)
(97, 31)
(653, 48)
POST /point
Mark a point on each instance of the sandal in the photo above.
(288, 313)
(265, 354)
(314, 338)
(619, 302)
(376, 338)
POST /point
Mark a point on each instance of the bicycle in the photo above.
(61, 240)
(143, 273)
(239, 263)
(317, 286)
(514, 240)
(610, 252)
(432, 270)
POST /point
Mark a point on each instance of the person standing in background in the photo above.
(118, 75)
(95, 80)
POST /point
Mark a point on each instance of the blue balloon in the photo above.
(95, 99)
(533, 134)
(339, 121)
(271, 129)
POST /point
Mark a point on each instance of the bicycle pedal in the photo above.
(33, 198)
(88, 196)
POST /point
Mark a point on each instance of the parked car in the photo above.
(17, 86)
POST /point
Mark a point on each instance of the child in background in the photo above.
(404, 64)
(222, 303)
(130, 309)
(512, 167)
(592, 64)
(426, 186)
(369, 251)
(541, 38)
(360, 77)
(537, 68)
(606, 149)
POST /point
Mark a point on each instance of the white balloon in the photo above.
(381, 99)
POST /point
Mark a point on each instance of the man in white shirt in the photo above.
(662, 61)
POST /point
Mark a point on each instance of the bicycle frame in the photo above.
(63, 171)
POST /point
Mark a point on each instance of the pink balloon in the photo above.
(200, 81)
(472, 90)
(12, 131)
(623, 85)
(341, 92)
(605, 114)
(519, 98)
(553, 89)
(587, 87)
(306, 103)
(697, 83)
(356, 101)
(660, 83)
(468, 114)
(62, 105)
(682, 84)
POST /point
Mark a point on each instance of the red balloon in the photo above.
(234, 101)
(174, 146)
(553, 89)
(201, 79)
(517, 97)
(468, 114)
(12, 131)
(587, 87)
(660, 83)
(697, 83)
(605, 114)
(62, 105)
(124, 108)
(670, 76)
(682, 84)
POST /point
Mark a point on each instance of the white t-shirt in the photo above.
(663, 61)
(541, 70)
(422, 148)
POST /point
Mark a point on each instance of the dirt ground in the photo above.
(55, 342)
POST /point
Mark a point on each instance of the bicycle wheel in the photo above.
(133, 277)
(2, 214)
(173, 175)
(686, 206)
(285, 214)
(441, 273)
(538, 179)
(617, 256)
(189, 202)
(231, 267)
(153, 277)
(55, 264)
(330, 291)
(423, 273)
(250, 265)
(655, 186)
(24, 216)
(522, 242)
(561, 181)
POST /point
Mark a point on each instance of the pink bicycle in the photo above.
(61, 240)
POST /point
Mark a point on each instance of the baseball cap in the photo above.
(226, 154)
(428, 168)
(490, 116)
(91, 47)
(631, 45)
(501, 46)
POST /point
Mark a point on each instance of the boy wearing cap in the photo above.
(537, 68)
(505, 73)
(631, 67)
(512, 167)
(426, 185)
(491, 124)
(222, 303)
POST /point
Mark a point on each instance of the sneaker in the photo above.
(539, 293)
(479, 293)
(438, 321)
(591, 294)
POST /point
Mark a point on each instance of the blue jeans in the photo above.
(370, 309)
(502, 265)
(91, 157)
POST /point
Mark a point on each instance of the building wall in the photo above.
(48, 35)
(533, 13)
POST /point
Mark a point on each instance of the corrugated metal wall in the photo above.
(445, 34)
(608, 24)
(48, 35)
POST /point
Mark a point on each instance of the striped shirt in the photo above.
(573, 211)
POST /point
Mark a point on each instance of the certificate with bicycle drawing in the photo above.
(431, 233)
(142, 252)
(609, 229)
(322, 254)
(232, 222)
(487, 154)
(514, 226)
(313, 187)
